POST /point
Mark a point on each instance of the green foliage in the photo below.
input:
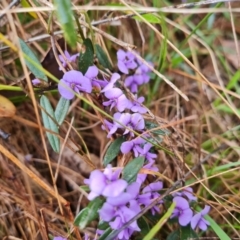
(131, 170)
(61, 110)
(48, 117)
(86, 58)
(149, 17)
(88, 214)
(183, 233)
(32, 59)
(113, 150)
(102, 57)
(65, 17)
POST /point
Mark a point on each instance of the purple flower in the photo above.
(105, 183)
(36, 81)
(126, 60)
(137, 105)
(117, 99)
(141, 76)
(59, 238)
(186, 192)
(182, 211)
(133, 121)
(113, 80)
(144, 152)
(68, 57)
(76, 81)
(149, 194)
(119, 215)
(141, 177)
(133, 145)
(199, 221)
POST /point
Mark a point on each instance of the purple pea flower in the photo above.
(117, 99)
(36, 81)
(132, 145)
(182, 211)
(186, 192)
(137, 105)
(113, 80)
(199, 221)
(144, 152)
(150, 193)
(133, 121)
(141, 177)
(126, 60)
(76, 81)
(59, 238)
(68, 57)
(117, 216)
(105, 183)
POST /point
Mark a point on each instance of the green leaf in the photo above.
(89, 213)
(113, 150)
(85, 59)
(188, 233)
(65, 17)
(102, 57)
(151, 125)
(149, 17)
(143, 225)
(160, 223)
(217, 229)
(32, 67)
(105, 234)
(131, 170)
(49, 123)
(61, 110)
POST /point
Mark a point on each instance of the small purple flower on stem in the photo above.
(126, 60)
(117, 99)
(76, 81)
(68, 57)
(199, 221)
(182, 211)
(36, 81)
(137, 105)
(150, 193)
(105, 183)
(141, 177)
(132, 145)
(144, 152)
(133, 121)
(113, 80)
(186, 192)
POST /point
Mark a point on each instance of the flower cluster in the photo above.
(184, 212)
(123, 201)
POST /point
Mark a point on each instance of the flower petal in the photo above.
(115, 188)
(65, 89)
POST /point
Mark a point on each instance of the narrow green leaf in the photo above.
(85, 59)
(149, 17)
(49, 123)
(151, 125)
(160, 223)
(36, 72)
(61, 110)
(106, 233)
(113, 150)
(65, 17)
(131, 170)
(89, 213)
(217, 229)
(102, 57)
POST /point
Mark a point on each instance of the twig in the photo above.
(156, 201)
(13, 3)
